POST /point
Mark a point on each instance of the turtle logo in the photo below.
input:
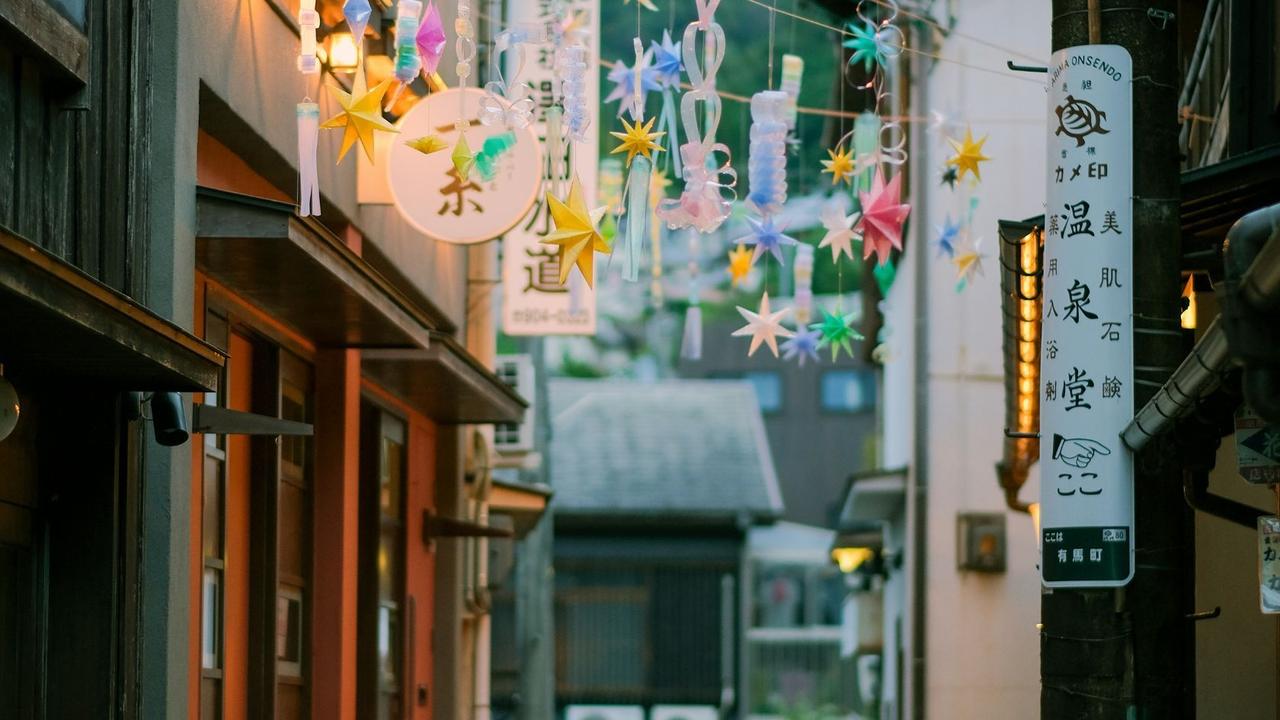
(1079, 119)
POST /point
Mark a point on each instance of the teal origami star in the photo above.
(837, 332)
(868, 46)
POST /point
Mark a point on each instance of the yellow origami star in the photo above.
(840, 165)
(968, 154)
(360, 117)
(427, 144)
(463, 158)
(739, 264)
(576, 233)
(638, 140)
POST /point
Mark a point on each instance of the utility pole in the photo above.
(1129, 652)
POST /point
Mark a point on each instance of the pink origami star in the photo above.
(883, 213)
(431, 39)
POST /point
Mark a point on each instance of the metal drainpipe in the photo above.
(918, 479)
(479, 599)
(1195, 487)
(1198, 373)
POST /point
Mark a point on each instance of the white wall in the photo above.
(982, 647)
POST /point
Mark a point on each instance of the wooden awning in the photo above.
(444, 382)
(297, 271)
(1215, 196)
(523, 502)
(58, 323)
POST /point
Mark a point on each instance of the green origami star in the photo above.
(867, 46)
(837, 332)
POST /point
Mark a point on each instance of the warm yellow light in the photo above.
(1189, 315)
(1034, 509)
(850, 558)
(344, 56)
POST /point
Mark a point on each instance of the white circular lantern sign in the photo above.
(427, 190)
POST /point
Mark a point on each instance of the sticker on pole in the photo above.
(1269, 564)
(1086, 350)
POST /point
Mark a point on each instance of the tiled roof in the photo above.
(670, 448)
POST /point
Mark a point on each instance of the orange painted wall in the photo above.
(218, 167)
(337, 476)
(235, 673)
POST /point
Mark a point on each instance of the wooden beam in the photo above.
(50, 34)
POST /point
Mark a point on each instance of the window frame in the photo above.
(51, 34)
(869, 387)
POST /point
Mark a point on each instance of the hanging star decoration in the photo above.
(740, 260)
(802, 346)
(638, 140)
(885, 275)
(576, 233)
(357, 13)
(646, 4)
(948, 233)
(968, 264)
(427, 144)
(949, 176)
(840, 165)
(667, 61)
(869, 45)
(839, 229)
(359, 118)
(431, 39)
(968, 154)
(623, 78)
(883, 213)
(766, 237)
(463, 158)
(837, 333)
(764, 326)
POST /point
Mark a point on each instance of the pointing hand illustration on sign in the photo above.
(1077, 452)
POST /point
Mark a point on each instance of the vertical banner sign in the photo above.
(1086, 350)
(533, 300)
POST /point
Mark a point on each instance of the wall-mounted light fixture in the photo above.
(10, 408)
(1021, 255)
(342, 52)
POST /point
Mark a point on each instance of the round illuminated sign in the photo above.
(429, 194)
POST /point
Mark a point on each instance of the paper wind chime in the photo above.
(792, 74)
(576, 235)
(308, 112)
(408, 61)
(638, 141)
(767, 183)
(709, 179)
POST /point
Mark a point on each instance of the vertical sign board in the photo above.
(1086, 347)
(533, 300)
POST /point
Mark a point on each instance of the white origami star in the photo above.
(840, 233)
(763, 326)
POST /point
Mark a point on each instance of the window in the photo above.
(380, 671)
(848, 391)
(213, 533)
(768, 387)
(73, 10)
(517, 372)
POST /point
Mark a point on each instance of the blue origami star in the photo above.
(948, 233)
(767, 238)
(802, 346)
(624, 80)
(667, 62)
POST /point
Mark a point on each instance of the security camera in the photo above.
(169, 419)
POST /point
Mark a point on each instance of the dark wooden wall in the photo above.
(73, 156)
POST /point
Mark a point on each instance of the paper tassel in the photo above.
(637, 226)
(308, 21)
(571, 69)
(802, 308)
(308, 128)
(691, 343)
(767, 162)
(792, 72)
